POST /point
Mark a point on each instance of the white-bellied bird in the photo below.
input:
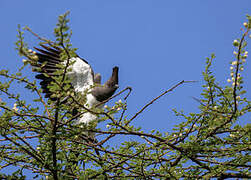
(81, 75)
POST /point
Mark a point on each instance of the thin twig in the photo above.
(155, 99)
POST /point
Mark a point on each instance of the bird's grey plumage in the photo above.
(107, 90)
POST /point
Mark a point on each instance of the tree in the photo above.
(41, 136)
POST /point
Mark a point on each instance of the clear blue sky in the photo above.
(156, 43)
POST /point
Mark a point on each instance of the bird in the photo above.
(81, 75)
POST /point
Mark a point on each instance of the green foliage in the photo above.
(41, 135)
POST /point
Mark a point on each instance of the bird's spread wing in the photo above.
(81, 73)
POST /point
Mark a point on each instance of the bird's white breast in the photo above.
(82, 80)
(81, 75)
(88, 117)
